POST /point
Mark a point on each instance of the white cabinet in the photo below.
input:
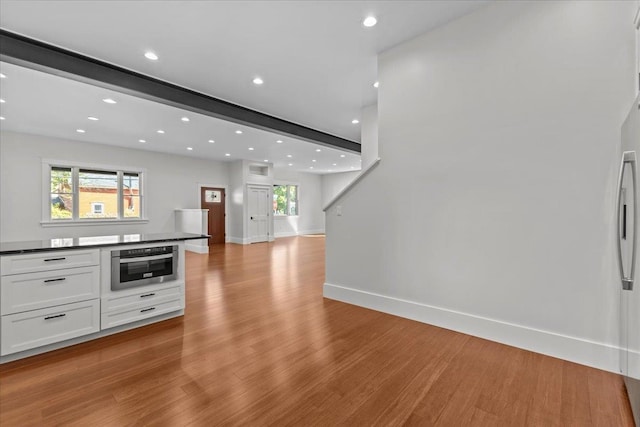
(120, 307)
(47, 297)
(31, 291)
(48, 261)
(30, 329)
(141, 311)
(52, 299)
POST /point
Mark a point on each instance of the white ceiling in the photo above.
(44, 104)
(317, 60)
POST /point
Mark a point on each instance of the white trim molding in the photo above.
(239, 240)
(299, 233)
(349, 186)
(584, 352)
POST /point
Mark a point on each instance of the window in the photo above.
(97, 208)
(285, 200)
(90, 193)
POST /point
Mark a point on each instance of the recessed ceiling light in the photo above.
(2, 76)
(376, 84)
(355, 121)
(318, 150)
(314, 160)
(238, 132)
(290, 164)
(109, 101)
(279, 141)
(185, 119)
(80, 130)
(2, 101)
(93, 118)
(369, 21)
(227, 154)
(142, 140)
(211, 141)
(335, 164)
(310, 167)
(352, 167)
(258, 81)
(1, 118)
(189, 148)
(289, 155)
(266, 160)
(151, 55)
(250, 148)
(160, 131)
(342, 155)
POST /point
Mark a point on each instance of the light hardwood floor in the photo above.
(258, 345)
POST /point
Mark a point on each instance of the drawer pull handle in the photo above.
(147, 309)
(55, 280)
(146, 295)
(55, 259)
(56, 316)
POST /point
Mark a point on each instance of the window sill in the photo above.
(284, 216)
(80, 222)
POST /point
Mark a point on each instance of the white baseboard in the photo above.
(584, 352)
(299, 233)
(316, 231)
(286, 234)
(239, 240)
(196, 248)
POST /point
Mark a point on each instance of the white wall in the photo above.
(311, 217)
(334, 183)
(235, 199)
(491, 211)
(369, 134)
(172, 183)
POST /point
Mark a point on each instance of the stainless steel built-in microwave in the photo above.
(143, 266)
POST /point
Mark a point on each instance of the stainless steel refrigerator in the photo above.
(628, 213)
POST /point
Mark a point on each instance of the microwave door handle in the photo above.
(145, 258)
(628, 157)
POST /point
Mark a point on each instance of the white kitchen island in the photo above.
(59, 292)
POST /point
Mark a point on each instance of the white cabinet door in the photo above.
(47, 261)
(129, 315)
(23, 331)
(32, 291)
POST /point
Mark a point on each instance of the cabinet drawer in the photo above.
(45, 261)
(36, 328)
(115, 302)
(117, 318)
(22, 292)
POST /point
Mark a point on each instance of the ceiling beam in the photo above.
(21, 50)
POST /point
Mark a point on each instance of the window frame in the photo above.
(297, 199)
(48, 164)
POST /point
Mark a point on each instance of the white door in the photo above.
(259, 209)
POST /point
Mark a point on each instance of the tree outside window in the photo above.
(285, 200)
(84, 194)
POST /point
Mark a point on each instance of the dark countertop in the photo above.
(12, 248)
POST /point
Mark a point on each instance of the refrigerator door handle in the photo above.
(628, 157)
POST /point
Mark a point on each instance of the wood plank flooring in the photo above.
(258, 345)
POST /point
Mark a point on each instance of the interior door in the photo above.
(259, 210)
(214, 200)
(629, 285)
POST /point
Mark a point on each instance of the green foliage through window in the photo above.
(285, 200)
(76, 193)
